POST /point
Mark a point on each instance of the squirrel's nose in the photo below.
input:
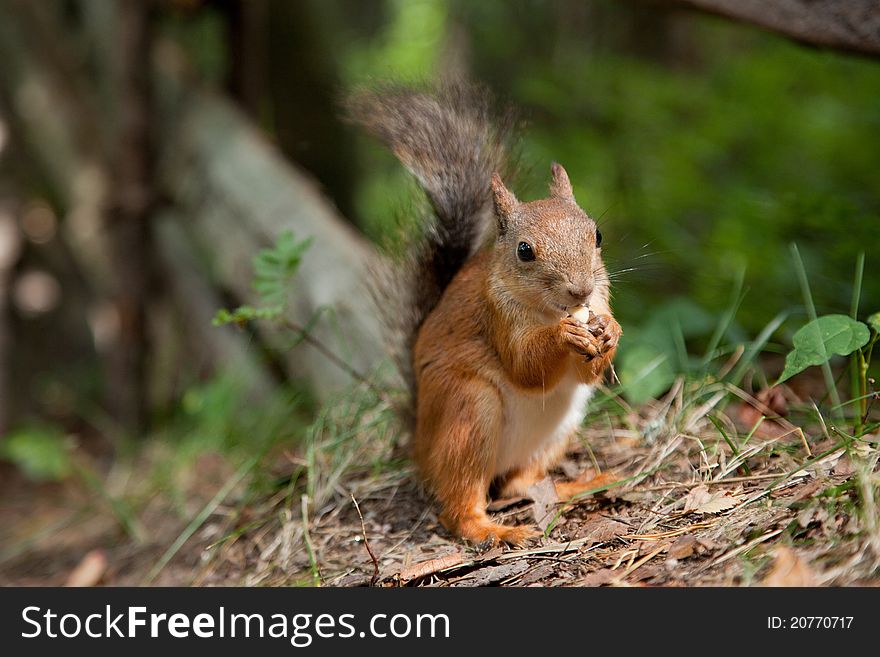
(579, 292)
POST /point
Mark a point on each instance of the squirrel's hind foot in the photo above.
(482, 531)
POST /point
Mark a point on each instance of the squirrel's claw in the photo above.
(579, 337)
(592, 339)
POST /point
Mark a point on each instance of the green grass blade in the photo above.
(858, 373)
(857, 285)
(201, 517)
(811, 312)
(727, 318)
(714, 420)
(757, 346)
(752, 431)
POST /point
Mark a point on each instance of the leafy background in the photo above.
(704, 148)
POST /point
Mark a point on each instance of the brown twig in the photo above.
(614, 377)
(375, 576)
(641, 562)
(711, 482)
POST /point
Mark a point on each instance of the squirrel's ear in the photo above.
(560, 185)
(504, 200)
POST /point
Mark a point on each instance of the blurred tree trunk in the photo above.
(301, 64)
(55, 127)
(106, 183)
(239, 194)
(650, 32)
(128, 227)
(247, 26)
(848, 25)
(10, 247)
(233, 192)
(278, 58)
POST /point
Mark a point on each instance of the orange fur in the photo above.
(498, 335)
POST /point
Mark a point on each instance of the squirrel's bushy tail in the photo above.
(451, 139)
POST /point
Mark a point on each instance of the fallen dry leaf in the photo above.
(353, 580)
(543, 493)
(537, 574)
(597, 578)
(789, 570)
(640, 575)
(718, 503)
(601, 529)
(816, 514)
(491, 554)
(431, 566)
(684, 547)
(700, 500)
(708, 545)
(844, 467)
(694, 499)
(494, 574)
(89, 571)
(771, 402)
(774, 399)
(824, 467)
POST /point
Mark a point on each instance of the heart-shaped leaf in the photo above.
(817, 341)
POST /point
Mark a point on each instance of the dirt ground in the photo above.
(675, 505)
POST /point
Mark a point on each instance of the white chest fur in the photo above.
(536, 421)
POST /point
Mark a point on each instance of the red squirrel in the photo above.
(509, 324)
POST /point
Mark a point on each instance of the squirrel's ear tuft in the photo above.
(560, 185)
(504, 200)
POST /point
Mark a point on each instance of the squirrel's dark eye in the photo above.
(598, 238)
(524, 252)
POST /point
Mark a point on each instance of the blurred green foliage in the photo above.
(704, 159)
(704, 147)
(40, 453)
(218, 415)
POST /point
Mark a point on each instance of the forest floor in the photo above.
(686, 494)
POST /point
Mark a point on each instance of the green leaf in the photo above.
(275, 267)
(244, 314)
(40, 454)
(874, 323)
(817, 341)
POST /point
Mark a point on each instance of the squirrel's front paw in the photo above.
(577, 336)
(593, 338)
(606, 330)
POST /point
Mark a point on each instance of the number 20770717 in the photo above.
(809, 622)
